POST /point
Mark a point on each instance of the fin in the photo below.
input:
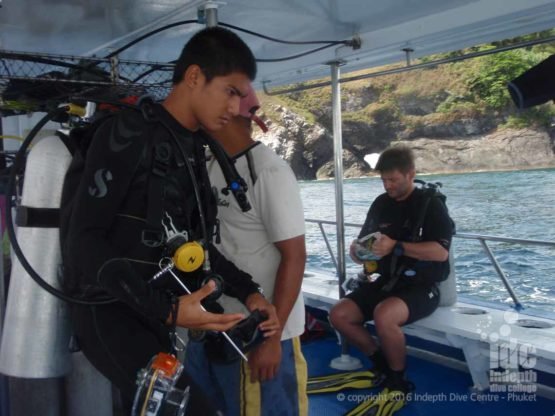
(385, 403)
(336, 382)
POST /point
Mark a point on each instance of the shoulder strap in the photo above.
(235, 183)
(250, 160)
(250, 164)
(252, 172)
(418, 226)
(160, 167)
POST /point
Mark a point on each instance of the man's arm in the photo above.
(276, 195)
(289, 276)
(425, 250)
(265, 360)
(437, 233)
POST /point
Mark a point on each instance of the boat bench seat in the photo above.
(488, 337)
(491, 338)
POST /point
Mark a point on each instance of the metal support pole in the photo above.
(208, 13)
(330, 250)
(408, 51)
(4, 380)
(114, 69)
(343, 362)
(504, 279)
(211, 15)
(338, 175)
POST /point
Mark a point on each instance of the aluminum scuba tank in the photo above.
(35, 340)
(36, 329)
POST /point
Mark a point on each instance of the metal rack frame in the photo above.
(38, 82)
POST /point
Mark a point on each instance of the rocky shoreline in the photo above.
(464, 146)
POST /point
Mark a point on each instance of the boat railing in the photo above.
(481, 238)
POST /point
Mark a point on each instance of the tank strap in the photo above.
(37, 217)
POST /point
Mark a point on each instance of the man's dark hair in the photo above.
(398, 157)
(218, 52)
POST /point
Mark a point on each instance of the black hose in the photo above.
(287, 42)
(147, 35)
(16, 167)
(326, 43)
(299, 55)
(240, 29)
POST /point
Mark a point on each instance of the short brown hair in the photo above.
(398, 157)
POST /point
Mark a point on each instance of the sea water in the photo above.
(518, 204)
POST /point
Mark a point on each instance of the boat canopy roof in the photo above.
(385, 29)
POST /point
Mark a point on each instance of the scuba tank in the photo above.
(36, 333)
(35, 347)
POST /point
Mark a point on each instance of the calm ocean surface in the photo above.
(517, 204)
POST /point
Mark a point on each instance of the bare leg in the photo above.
(389, 316)
(346, 317)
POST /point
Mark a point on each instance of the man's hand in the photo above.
(271, 325)
(191, 315)
(383, 245)
(352, 252)
(264, 360)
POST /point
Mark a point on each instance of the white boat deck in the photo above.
(489, 336)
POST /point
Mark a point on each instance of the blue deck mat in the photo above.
(439, 390)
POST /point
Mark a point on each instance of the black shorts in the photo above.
(420, 300)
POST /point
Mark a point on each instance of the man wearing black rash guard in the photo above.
(142, 169)
(410, 246)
